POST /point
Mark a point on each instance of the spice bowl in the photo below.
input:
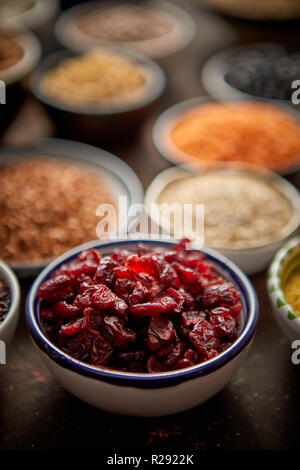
(115, 177)
(95, 123)
(144, 394)
(216, 68)
(285, 262)
(15, 75)
(8, 325)
(222, 121)
(251, 257)
(129, 25)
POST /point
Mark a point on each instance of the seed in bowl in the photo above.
(5, 300)
(47, 206)
(125, 23)
(149, 311)
(292, 290)
(95, 78)
(250, 132)
(240, 210)
(11, 52)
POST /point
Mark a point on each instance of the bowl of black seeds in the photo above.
(263, 71)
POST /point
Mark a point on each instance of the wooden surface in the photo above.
(259, 409)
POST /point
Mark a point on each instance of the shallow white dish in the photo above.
(8, 326)
(250, 260)
(145, 394)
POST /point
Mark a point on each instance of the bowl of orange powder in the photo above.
(200, 130)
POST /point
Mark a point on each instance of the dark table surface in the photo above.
(259, 409)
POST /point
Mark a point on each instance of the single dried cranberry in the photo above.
(153, 365)
(161, 330)
(132, 356)
(163, 305)
(165, 273)
(102, 298)
(65, 310)
(203, 337)
(72, 328)
(105, 271)
(116, 331)
(183, 362)
(138, 294)
(222, 322)
(175, 354)
(57, 288)
(100, 352)
(191, 355)
(140, 264)
(188, 277)
(192, 317)
(235, 311)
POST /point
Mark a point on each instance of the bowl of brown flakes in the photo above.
(49, 198)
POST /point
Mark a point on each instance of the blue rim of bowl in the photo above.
(171, 115)
(144, 380)
(153, 90)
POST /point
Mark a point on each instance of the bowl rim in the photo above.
(38, 13)
(32, 51)
(154, 87)
(178, 13)
(14, 288)
(176, 173)
(144, 380)
(170, 116)
(274, 277)
(83, 153)
(213, 75)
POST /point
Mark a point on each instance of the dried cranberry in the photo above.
(163, 305)
(102, 298)
(161, 330)
(192, 317)
(203, 337)
(223, 323)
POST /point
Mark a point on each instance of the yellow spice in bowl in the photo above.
(292, 290)
(96, 78)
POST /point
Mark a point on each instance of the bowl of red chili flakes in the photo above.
(144, 328)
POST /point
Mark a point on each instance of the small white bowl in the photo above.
(8, 326)
(181, 34)
(250, 260)
(145, 394)
(284, 262)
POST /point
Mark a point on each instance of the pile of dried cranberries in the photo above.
(149, 311)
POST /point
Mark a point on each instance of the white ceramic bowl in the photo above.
(171, 116)
(181, 34)
(145, 394)
(250, 260)
(8, 326)
(284, 262)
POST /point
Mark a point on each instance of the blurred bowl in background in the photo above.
(285, 261)
(8, 325)
(257, 9)
(120, 178)
(36, 15)
(251, 259)
(169, 118)
(125, 24)
(15, 75)
(100, 122)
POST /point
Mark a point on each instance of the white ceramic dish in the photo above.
(8, 326)
(213, 78)
(284, 262)
(121, 178)
(182, 33)
(145, 394)
(251, 260)
(166, 121)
